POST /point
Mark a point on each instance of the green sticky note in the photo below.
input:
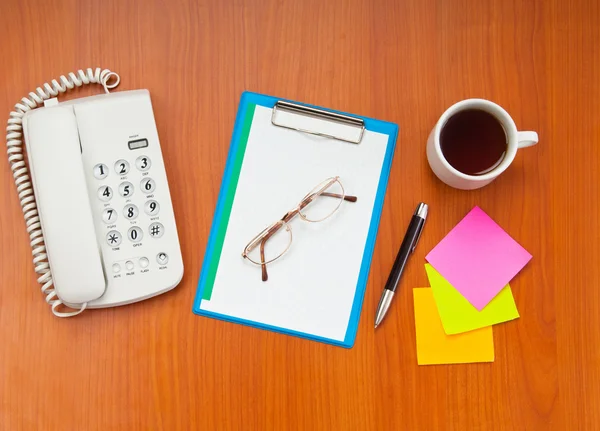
(458, 315)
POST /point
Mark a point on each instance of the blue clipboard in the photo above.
(248, 101)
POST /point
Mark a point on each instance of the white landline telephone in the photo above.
(97, 204)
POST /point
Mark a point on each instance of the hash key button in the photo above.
(156, 230)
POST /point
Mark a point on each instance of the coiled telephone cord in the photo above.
(14, 142)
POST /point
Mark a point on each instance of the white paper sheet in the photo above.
(311, 288)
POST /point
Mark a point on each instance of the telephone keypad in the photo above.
(129, 205)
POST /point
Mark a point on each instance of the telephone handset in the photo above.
(97, 205)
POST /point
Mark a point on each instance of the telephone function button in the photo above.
(148, 185)
(113, 238)
(151, 208)
(109, 216)
(105, 193)
(144, 262)
(116, 268)
(162, 258)
(126, 189)
(130, 212)
(143, 163)
(100, 171)
(122, 167)
(135, 234)
(156, 230)
(129, 265)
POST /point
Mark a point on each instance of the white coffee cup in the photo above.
(453, 177)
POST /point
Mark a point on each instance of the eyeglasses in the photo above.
(318, 205)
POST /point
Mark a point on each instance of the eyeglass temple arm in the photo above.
(286, 218)
(268, 235)
(263, 265)
(335, 195)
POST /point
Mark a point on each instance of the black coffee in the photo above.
(473, 141)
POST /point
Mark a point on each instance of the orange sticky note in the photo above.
(435, 347)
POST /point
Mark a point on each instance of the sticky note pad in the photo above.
(434, 346)
(458, 315)
(478, 258)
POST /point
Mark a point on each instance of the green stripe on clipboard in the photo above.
(230, 194)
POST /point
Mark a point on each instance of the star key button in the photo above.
(113, 238)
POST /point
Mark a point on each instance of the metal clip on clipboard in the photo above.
(318, 122)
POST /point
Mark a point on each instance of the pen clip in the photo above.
(412, 250)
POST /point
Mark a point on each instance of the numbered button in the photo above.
(126, 189)
(113, 238)
(135, 234)
(130, 212)
(100, 171)
(109, 216)
(105, 193)
(122, 167)
(156, 230)
(143, 163)
(151, 208)
(148, 185)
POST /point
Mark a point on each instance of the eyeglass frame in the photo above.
(262, 238)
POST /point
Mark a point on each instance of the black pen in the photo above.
(409, 243)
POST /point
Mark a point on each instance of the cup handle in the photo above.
(527, 139)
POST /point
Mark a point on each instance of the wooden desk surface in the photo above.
(155, 365)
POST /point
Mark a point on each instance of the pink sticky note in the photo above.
(478, 258)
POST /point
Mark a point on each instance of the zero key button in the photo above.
(134, 234)
(162, 258)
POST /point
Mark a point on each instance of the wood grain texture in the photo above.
(155, 365)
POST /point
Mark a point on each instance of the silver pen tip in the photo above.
(376, 325)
